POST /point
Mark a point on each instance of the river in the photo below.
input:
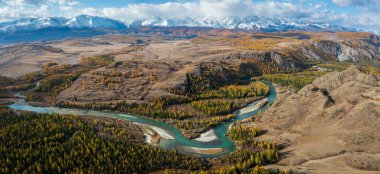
(173, 139)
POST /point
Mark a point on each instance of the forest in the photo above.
(252, 154)
(237, 91)
(42, 143)
(294, 80)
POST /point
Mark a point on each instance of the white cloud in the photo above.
(369, 21)
(180, 10)
(72, 3)
(225, 7)
(170, 9)
(282, 9)
(38, 2)
(213, 8)
(356, 2)
(90, 11)
(14, 9)
(10, 12)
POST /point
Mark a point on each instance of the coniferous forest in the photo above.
(42, 143)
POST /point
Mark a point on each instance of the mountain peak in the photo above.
(255, 23)
(78, 22)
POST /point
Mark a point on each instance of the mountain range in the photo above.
(49, 28)
(246, 23)
(79, 22)
(251, 23)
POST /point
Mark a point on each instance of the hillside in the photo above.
(329, 126)
(158, 68)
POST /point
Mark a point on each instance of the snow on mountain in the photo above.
(79, 22)
(31, 24)
(253, 23)
(246, 23)
(85, 21)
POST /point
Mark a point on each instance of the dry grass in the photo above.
(354, 35)
(256, 42)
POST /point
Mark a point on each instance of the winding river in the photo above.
(173, 139)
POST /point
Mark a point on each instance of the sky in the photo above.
(364, 14)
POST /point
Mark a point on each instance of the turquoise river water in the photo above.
(179, 140)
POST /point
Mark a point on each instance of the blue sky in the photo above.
(355, 13)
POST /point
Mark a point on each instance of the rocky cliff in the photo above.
(300, 56)
(346, 50)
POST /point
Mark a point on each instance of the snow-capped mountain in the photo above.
(79, 22)
(254, 23)
(244, 23)
(94, 22)
(53, 28)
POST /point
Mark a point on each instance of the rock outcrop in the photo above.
(298, 57)
(328, 50)
(329, 126)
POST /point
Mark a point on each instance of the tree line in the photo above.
(214, 108)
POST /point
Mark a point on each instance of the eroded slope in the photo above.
(330, 125)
